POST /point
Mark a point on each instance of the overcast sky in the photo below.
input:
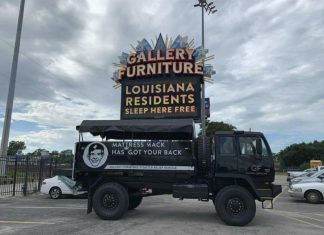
(269, 58)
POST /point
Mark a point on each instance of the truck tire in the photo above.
(235, 205)
(134, 201)
(110, 201)
(204, 154)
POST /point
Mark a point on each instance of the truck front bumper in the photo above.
(269, 193)
(276, 190)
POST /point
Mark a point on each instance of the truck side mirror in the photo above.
(259, 146)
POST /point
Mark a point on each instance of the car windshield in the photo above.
(318, 173)
(309, 174)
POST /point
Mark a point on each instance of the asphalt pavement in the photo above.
(38, 214)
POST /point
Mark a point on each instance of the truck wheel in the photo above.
(134, 201)
(313, 197)
(204, 153)
(235, 205)
(110, 201)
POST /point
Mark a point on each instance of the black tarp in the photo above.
(176, 129)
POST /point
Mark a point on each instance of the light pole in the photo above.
(209, 8)
(11, 92)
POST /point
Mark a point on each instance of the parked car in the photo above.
(307, 177)
(311, 191)
(294, 174)
(60, 185)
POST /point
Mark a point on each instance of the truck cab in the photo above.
(245, 155)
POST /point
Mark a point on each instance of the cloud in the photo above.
(61, 113)
(270, 67)
(51, 139)
(268, 57)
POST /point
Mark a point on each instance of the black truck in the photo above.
(140, 158)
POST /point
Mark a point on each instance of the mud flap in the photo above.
(90, 194)
(275, 191)
(89, 209)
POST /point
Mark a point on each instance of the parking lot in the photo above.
(38, 214)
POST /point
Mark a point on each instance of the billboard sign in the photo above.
(162, 79)
(132, 155)
(167, 98)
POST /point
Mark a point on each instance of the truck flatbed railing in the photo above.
(168, 129)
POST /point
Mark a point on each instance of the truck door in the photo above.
(249, 160)
(226, 160)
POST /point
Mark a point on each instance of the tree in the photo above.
(63, 158)
(54, 154)
(218, 126)
(299, 155)
(15, 146)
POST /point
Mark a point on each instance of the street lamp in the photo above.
(209, 8)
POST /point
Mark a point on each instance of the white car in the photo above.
(314, 176)
(59, 185)
(293, 174)
(313, 192)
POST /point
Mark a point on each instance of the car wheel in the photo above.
(134, 201)
(235, 205)
(55, 193)
(313, 197)
(110, 201)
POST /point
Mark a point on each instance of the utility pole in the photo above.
(203, 119)
(11, 92)
(209, 8)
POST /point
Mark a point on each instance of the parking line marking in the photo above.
(295, 214)
(310, 218)
(294, 218)
(23, 222)
(319, 214)
(43, 207)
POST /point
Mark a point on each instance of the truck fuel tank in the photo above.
(190, 191)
